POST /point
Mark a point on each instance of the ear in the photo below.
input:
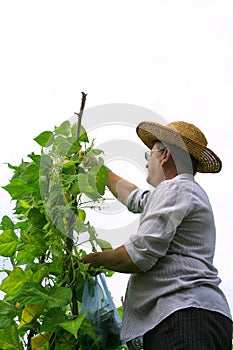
(166, 157)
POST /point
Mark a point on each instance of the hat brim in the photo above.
(149, 132)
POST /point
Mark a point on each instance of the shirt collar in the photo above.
(185, 176)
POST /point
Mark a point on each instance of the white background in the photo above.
(173, 57)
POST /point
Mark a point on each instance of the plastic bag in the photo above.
(102, 313)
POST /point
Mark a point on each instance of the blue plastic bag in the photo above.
(102, 313)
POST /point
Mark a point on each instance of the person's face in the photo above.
(155, 172)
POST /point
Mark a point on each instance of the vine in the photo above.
(45, 240)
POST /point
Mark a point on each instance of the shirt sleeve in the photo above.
(137, 200)
(163, 212)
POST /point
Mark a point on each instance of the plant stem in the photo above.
(70, 242)
(30, 335)
(80, 114)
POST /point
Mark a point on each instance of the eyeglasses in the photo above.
(148, 154)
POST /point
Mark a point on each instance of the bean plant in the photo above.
(45, 240)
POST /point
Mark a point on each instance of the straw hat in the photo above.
(184, 135)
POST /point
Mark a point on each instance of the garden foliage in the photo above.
(44, 240)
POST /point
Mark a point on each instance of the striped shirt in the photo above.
(174, 248)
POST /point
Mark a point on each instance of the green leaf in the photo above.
(92, 233)
(30, 293)
(59, 296)
(35, 157)
(45, 139)
(24, 204)
(73, 326)
(37, 219)
(13, 167)
(101, 179)
(5, 308)
(62, 145)
(83, 134)
(79, 225)
(14, 281)
(39, 341)
(22, 225)
(29, 252)
(75, 190)
(63, 129)
(74, 148)
(52, 319)
(56, 267)
(7, 223)
(7, 314)
(56, 194)
(31, 175)
(104, 245)
(69, 167)
(82, 214)
(11, 341)
(120, 311)
(44, 186)
(17, 188)
(8, 243)
(29, 312)
(87, 328)
(96, 151)
(40, 271)
(46, 162)
(87, 185)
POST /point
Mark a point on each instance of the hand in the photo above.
(91, 259)
(112, 259)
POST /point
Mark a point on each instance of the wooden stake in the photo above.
(80, 114)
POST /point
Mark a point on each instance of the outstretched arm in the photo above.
(116, 260)
(120, 187)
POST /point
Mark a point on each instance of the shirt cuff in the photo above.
(135, 200)
(143, 262)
